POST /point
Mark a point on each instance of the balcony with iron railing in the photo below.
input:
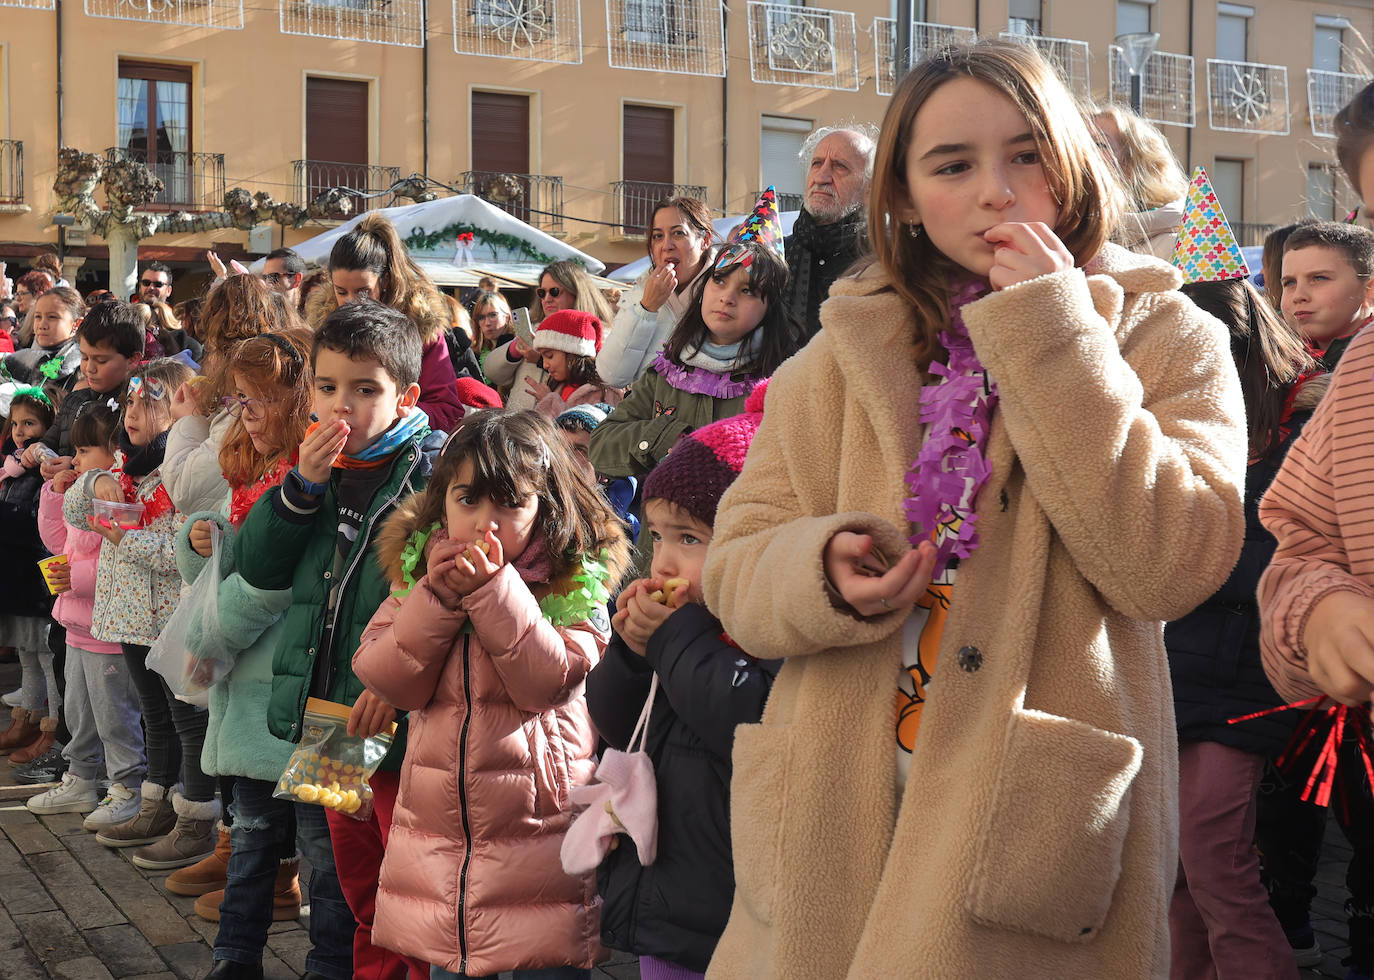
(535, 199)
(368, 181)
(11, 174)
(784, 200)
(635, 200)
(190, 181)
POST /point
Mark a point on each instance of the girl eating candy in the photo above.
(1003, 397)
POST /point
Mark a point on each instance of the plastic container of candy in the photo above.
(110, 513)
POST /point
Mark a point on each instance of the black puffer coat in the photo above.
(676, 908)
(22, 592)
(1214, 654)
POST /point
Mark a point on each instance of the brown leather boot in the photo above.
(47, 735)
(286, 898)
(23, 730)
(206, 875)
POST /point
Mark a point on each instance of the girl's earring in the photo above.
(914, 230)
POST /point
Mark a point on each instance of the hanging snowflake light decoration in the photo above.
(1248, 96)
(517, 23)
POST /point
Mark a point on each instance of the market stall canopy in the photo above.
(631, 272)
(449, 236)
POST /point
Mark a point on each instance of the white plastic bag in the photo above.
(190, 652)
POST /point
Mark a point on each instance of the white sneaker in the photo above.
(72, 795)
(13, 699)
(120, 804)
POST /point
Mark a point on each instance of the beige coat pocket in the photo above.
(757, 811)
(1051, 850)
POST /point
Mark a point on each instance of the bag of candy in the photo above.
(331, 767)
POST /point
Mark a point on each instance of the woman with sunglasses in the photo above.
(563, 285)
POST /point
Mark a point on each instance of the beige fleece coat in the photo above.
(1037, 833)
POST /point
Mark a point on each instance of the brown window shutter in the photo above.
(648, 144)
(500, 132)
(336, 120)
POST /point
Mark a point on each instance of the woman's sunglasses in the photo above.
(553, 291)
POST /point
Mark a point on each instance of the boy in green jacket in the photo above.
(370, 448)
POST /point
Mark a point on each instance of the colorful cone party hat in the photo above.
(1206, 250)
(762, 227)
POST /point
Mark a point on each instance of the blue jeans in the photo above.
(331, 922)
(549, 973)
(262, 834)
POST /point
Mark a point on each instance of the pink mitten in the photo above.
(623, 799)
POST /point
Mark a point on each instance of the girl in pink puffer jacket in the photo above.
(501, 567)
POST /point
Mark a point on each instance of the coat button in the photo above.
(643, 445)
(328, 574)
(970, 659)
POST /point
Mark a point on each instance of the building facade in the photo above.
(576, 114)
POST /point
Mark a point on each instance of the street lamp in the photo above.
(1136, 48)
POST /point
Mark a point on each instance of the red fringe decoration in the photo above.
(1328, 721)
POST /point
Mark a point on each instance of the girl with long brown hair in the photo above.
(1010, 452)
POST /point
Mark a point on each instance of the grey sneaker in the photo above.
(194, 837)
(119, 805)
(72, 795)
(13, 699)
(154, 820)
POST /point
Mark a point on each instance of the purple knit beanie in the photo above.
(702, 464)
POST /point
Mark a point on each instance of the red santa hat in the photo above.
(571, 331)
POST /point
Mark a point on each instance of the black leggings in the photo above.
(173, 731)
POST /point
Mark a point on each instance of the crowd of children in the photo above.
(768, 658)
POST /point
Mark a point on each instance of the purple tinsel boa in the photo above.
(950, 467)
(699, 381)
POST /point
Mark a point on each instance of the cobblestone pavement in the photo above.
(72, 908)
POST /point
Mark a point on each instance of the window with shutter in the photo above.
(647, 161)
(500, 132)
(336, 136)
(336, 120)
(780, 143)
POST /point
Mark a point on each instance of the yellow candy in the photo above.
(307, 793)
(334, 786)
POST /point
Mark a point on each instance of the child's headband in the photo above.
(544, 461)
(738, 254)
(286, 346)
(36, 393)
(148, 388)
